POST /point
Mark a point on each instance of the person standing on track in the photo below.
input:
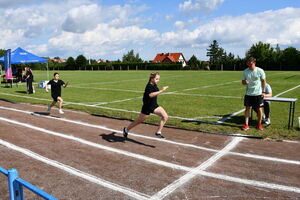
(56, 92)
(255, 80)
(150, 106)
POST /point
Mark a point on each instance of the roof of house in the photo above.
(174, 57)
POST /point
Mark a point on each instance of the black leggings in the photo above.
(29, 86)
(267, 109)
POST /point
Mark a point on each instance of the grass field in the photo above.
(195, 99)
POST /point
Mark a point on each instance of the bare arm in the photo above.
(268, 95)
(154, 94)
(66, 84)
(46, 89)
(245, 82)
(263, 84)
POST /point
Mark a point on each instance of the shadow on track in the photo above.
(114, 138)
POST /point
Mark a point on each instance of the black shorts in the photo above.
(146, 110)
(254, 101)
(54, 97)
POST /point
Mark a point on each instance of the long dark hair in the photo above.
(153, 75)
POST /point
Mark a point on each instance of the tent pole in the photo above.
(47, 71)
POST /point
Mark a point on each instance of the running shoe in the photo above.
(60, 111)
(159, 135)
(245, 127)
(267, 121)
(260, 127)
(125, 132)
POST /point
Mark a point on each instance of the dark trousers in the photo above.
(267, 109)
(29, 86)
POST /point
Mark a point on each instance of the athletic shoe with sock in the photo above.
(260, 127)
(245, 127)
(125, 132)
(159, 135)
(60, 111)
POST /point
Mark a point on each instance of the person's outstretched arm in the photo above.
(154, 94)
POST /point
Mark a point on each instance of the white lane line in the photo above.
(109, 82)
(254, 156)
(127, 80)
(76, 172)
(108, 108)
(230, 116)
(251, 182)
(202, 95)
(208, 86)
(219, 176)
(117, 101)
(96, 145)
(109, 89)
(191, 174)
(26, 97)
(209, 117)
(287, 91)
(240, 111)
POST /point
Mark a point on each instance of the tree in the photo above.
(194, 62)
(2, 51)
(81, 61)
(70, 64)
(291, 58)
(264, 54)
(213, 52)
(130, 57)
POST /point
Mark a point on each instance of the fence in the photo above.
(16, 185)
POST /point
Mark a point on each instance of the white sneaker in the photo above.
(60, 111)
(267, 121)
(49, 108)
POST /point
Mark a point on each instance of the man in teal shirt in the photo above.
(255, 80)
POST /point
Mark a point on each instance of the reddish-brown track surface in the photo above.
(143, 176)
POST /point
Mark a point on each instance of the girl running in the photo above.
(56, 92)
(150, 105)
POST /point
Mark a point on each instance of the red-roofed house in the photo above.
(170, 58)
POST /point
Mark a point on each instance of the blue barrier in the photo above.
(16, 185)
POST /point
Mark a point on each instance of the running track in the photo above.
(81, 156)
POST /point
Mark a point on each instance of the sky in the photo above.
(108, 29)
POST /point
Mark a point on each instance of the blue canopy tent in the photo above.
(20, 56)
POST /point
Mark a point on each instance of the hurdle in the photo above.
(16, 184)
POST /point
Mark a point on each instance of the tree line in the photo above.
(268, 58)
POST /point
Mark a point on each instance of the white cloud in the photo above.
(73, 27)
(13, 3)
(276, 27)
(82, 18)
(103, 40)
(179, 24)
(199, 5)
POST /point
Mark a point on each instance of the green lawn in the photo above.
(201, 96)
